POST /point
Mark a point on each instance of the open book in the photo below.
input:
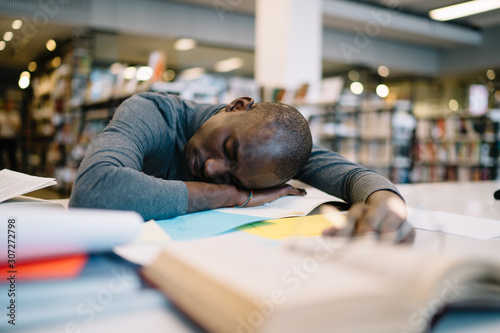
(17, 183)
(241, 283)
(217, 221)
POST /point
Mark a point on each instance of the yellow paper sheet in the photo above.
(293, 226)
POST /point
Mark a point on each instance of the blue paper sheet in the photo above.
(204, 224)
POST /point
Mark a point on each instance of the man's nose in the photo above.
(217, 170)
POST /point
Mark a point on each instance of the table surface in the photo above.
(470, 199)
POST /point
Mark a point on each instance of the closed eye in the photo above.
(231, 148)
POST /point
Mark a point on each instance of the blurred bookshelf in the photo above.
(456, 148)
(375, 135)
(404, 137)
(404, 149)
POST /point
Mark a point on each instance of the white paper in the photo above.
(14, 183)
(456, 224)
(45, 232)
(145, 249)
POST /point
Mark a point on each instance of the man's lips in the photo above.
(191, 165)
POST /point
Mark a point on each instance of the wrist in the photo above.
(238, 196)
(382, 195)
(247, 201)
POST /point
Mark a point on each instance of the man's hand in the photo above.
(263, 196)
(384, 213)
(203, 196)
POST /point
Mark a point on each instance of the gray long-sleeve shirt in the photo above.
(137, 162)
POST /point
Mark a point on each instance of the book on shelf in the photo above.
(242, 283)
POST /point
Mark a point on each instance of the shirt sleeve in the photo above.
(111, 177)
(332, 173)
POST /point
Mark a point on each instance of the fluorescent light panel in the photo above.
(192, 73)
(228, 64)
(464, 9)
(184, 44)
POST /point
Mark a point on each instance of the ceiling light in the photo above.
(56, 62)
(229, 64)
(2, 45)
(51, 45)
(184, 44)
(32, 66)
(353, 75)
(168, 75)
(144, 73)
(17, 24)
(463, 9)
(115, 68)
(453, 104)
(192, 73)
(7, 36)
(383, 71)
(357, 88)
(491, 74)
(382, 90)
(24, 82)
(129, 72)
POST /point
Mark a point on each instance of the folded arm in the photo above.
(114, 174)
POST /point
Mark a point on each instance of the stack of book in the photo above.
(56, 265)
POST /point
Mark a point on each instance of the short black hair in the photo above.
(296, 142)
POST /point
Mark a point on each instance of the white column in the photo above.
(288, 50)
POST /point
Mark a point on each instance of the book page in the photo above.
(400, 264)
(16, 183)
(335, 283)
(24, 202)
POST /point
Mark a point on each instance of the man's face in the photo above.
(227, 149)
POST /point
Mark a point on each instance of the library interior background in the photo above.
(386, 83)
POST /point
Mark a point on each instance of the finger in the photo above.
(410, 236)
(332, 231)
(392, 217)
(376, 217)
(290, 190)
(354, 221)
(391, 222)
(261, 197)
(297, 191)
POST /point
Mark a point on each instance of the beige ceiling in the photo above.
(422, 7)
(136, 49)
(419, 7)
(130, 49)
(25, 48)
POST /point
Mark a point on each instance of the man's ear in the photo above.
(240, 104)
